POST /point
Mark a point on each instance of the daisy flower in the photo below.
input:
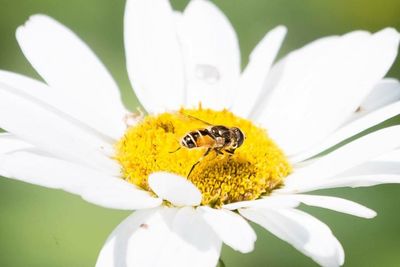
(72, 132)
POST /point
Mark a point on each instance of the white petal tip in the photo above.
(281, 28)
(25, 29)
(174, 188)
(245, 251)
(391, 31)
(248, 249)
(389, 35)
(372, 215)
(231, 228)
(32, 19)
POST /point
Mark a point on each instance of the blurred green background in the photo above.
(42, 227)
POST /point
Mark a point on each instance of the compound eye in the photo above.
(239, 136)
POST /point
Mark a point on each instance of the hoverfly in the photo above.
(218, 138)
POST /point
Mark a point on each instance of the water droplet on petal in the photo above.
(207, 73)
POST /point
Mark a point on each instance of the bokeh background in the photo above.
(43, 227)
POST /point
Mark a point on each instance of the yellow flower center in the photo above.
(255, 169)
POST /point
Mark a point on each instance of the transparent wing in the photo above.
(188, 116)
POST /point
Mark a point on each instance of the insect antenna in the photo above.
(177, 148)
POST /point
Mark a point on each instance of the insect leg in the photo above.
(194, 165)
(218, 151)
(175, 150)
(230, 151)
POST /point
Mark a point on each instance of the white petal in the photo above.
(351, 181)
(318, 87)
(333, 203)
(60, 100)
(10, 143)
(268, 202)
(346, 157)
(380, 170)
(91, 185)
(153, 55)
(253, 77)
(384, 169)
(373, 167)
(114, 252)
(196, 244)
(174, 188)
(391, 156)
(211, 54)
(231, 228)
(307, 234)
(350, 129)
(384, 93)
(84, 87)
(277, 200)
(53, 131)
(161, 237)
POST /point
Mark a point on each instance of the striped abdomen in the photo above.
(198, 138)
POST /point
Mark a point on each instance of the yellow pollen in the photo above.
(255, 169)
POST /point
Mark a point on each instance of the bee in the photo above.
(218, 138)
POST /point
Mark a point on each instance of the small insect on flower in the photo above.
(144, 226)
(292, 113)
(218, 138)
